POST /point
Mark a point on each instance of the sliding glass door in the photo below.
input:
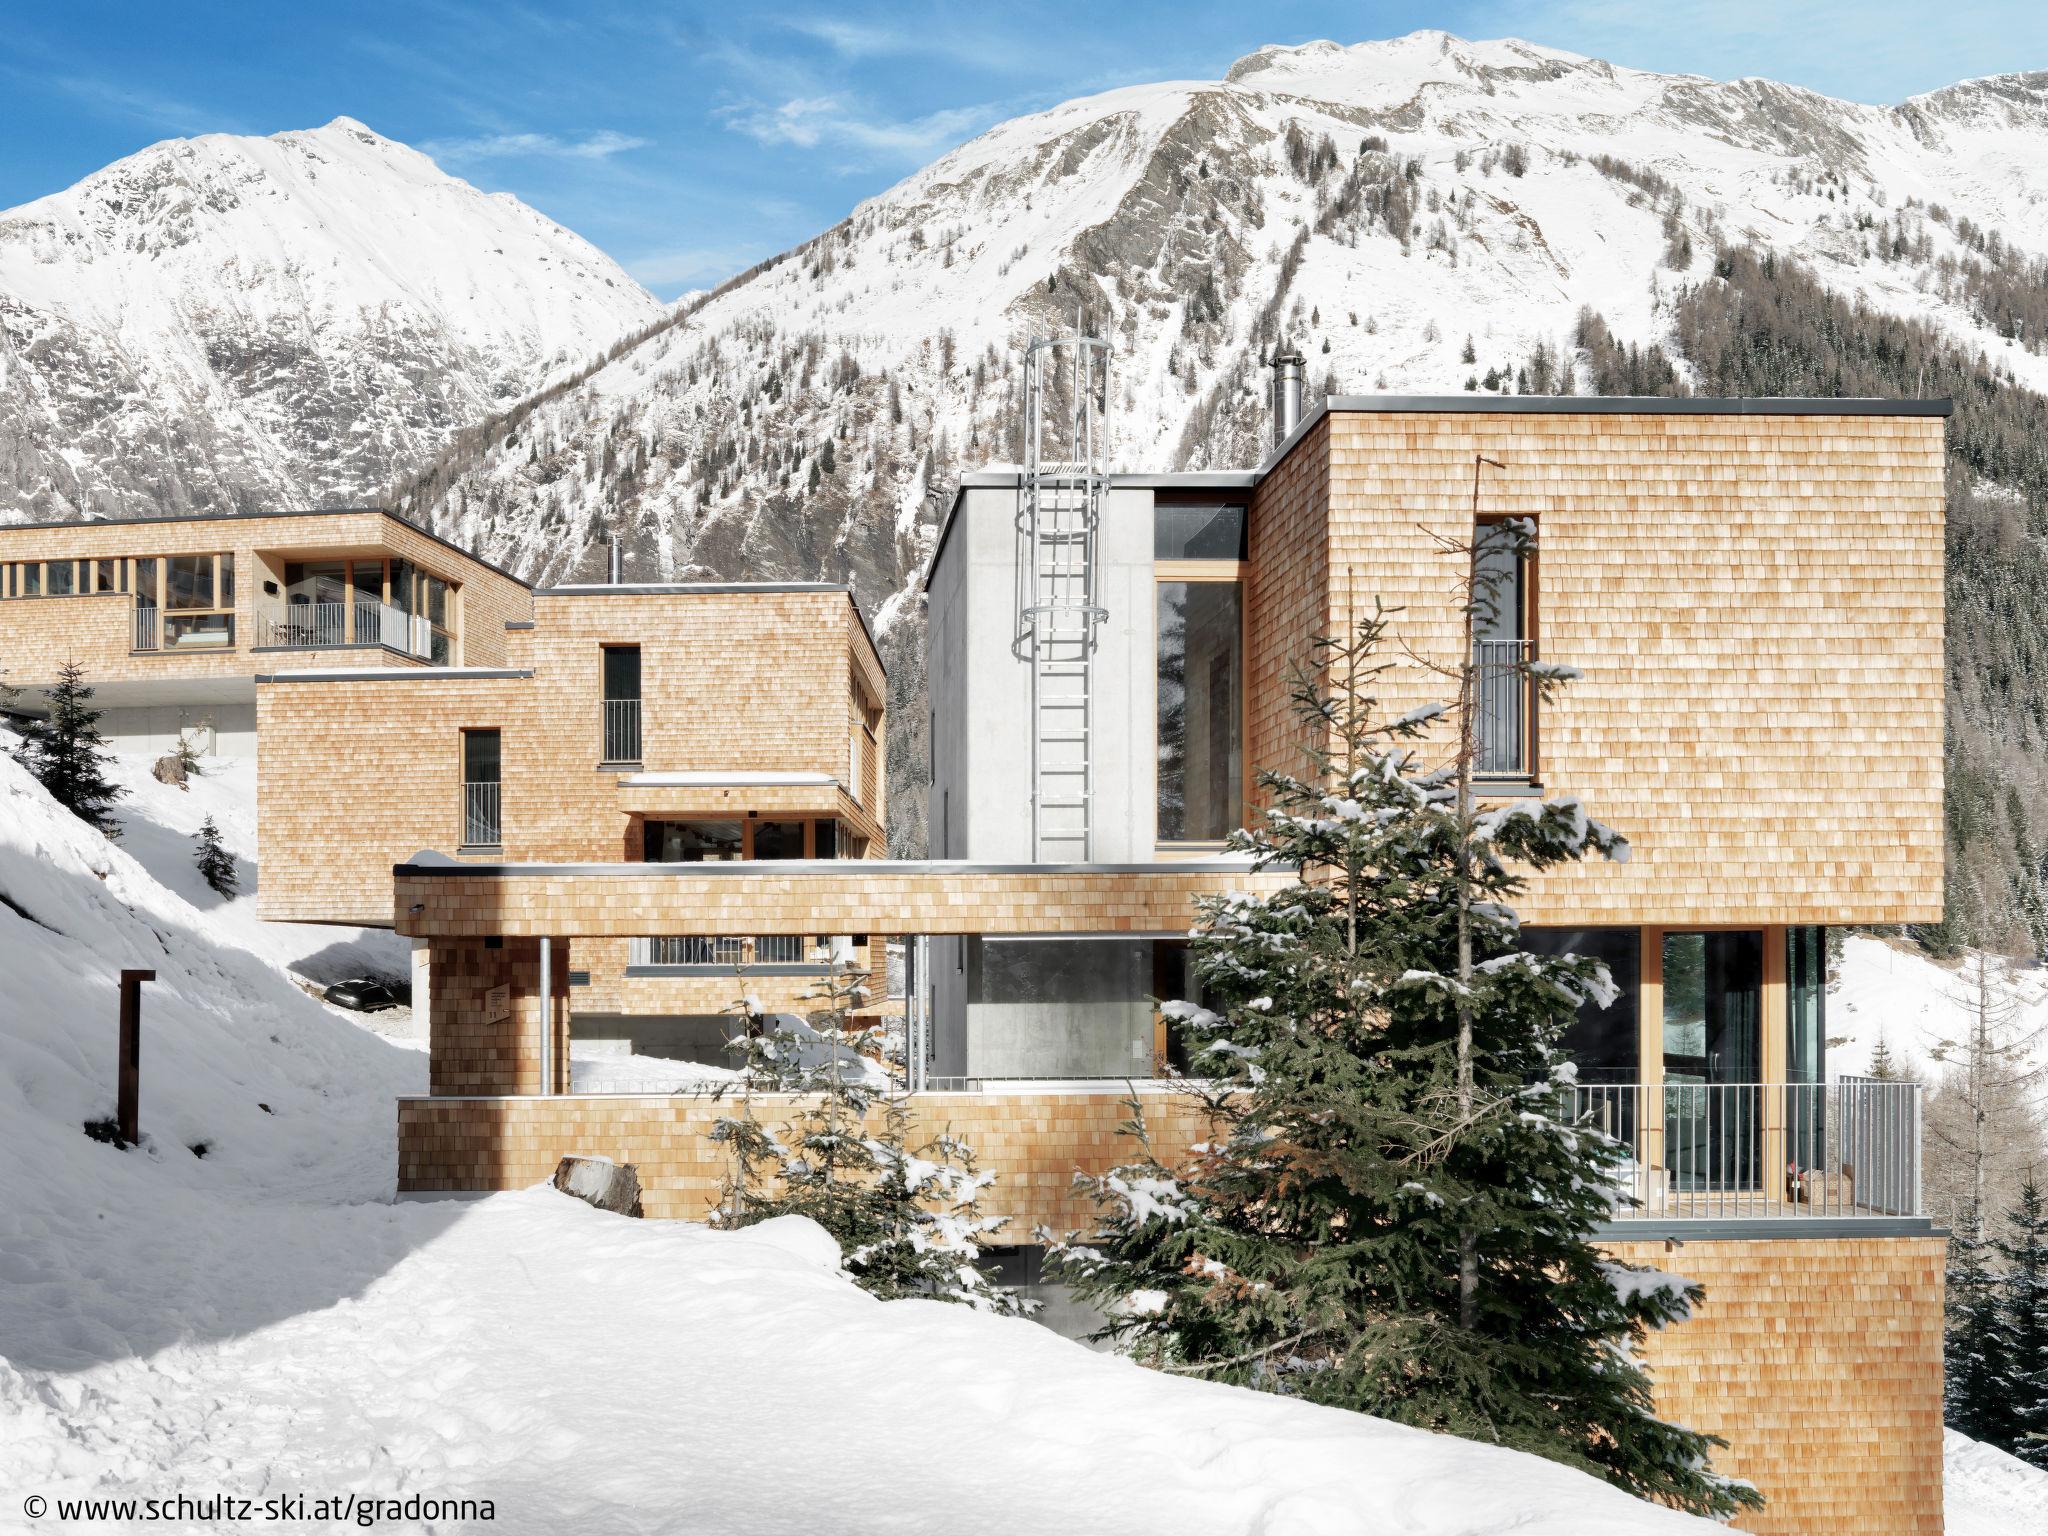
(1713, 1058)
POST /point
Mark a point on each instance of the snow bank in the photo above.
(265, 1319)
(584, 1371)
(105, 1252)
(1989, 1493)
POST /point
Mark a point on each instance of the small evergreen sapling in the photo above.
(1394, 1208)
(216, 864)
(904, 1217)
(68, 756)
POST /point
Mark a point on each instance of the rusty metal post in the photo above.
(131, 1053)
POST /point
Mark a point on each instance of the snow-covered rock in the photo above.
(224, 323)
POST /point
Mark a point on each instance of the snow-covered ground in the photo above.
(266, 1320)
(1890, 991)
(1988, 1493)
(158, 823)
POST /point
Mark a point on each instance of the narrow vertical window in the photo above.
(61, 578)
(1200, 670)
(1502, 648)
(481, 773)
(621, 723)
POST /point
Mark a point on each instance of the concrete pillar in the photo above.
(547, 1016)
(422, 990)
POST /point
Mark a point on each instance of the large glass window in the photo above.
(1806, 991)
(1201, 710)
(778, 839)
(691, 842)
(1060, 1007)
(1605, 1043)
(190, 582)
(1204, 531)
(1713, 1057)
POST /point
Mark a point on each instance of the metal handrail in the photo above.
(720, 949)
(1733, 1151)
(1504, 705)
(621, 731)
(148, 628)
(480, 825)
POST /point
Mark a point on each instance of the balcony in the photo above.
(480, 825)
(1847, 1150)
(1504, 709)
(621, 731)
(331, 625)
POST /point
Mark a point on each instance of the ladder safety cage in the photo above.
(1066, 456)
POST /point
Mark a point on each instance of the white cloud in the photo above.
(699, 266)
(601, 145)
(808, 122)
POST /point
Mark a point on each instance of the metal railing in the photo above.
(361, 621)
(1735, 1151)
(149, 634)
(721, 950)
(621, 731)
(480, 826)
(1503, 709)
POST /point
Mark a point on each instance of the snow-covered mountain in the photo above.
(1422, 214)
(226, 323)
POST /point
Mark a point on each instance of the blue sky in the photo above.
(690, 140)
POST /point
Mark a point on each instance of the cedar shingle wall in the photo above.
(1819, 1361)
(862, 897)
(360, 774)
(1756, 602)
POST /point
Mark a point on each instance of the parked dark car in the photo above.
(367, 994)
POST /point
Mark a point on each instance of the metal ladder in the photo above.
(1065, 476)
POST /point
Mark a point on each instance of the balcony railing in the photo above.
(1747, 1151)
(149, 633)
(720, 950)
(325, 625)
(1502, 704)
(621, 730)
(480, 827)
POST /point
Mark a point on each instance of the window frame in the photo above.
(1528, 616)
(1235, 573)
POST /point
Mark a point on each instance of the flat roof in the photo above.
(232, 517)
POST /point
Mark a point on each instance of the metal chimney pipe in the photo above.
(616, 566)
(1287, 365)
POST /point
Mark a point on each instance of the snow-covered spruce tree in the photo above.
(2023, 1327)
(216, 864)
(904, 1217)
(66, 754)
(1393, 1210)
(1973, 1351)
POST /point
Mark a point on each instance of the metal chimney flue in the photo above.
(615, 564)
(1287, 365)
